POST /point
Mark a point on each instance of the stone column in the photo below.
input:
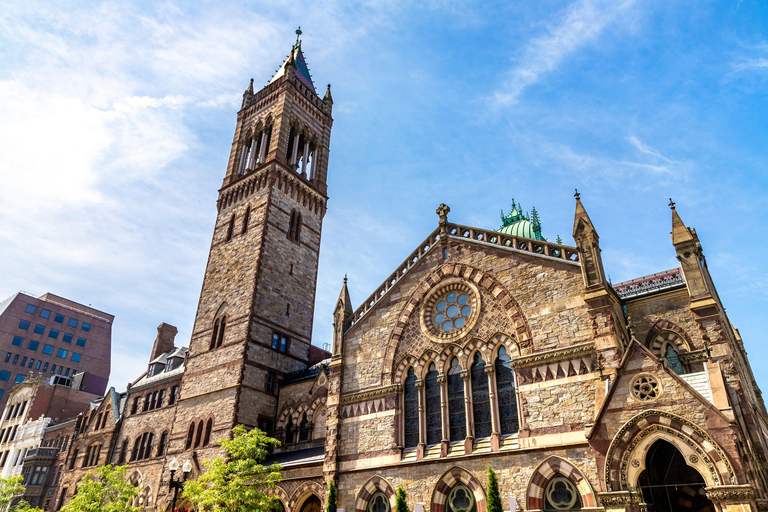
(243, 154)
(422, 420)
(304, 158)
(314, 161)
(263, 148)
(251, 156)
(490, 371)
(444, 444)
(295, 151)
(469, 441)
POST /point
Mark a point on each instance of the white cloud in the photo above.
(582, 23)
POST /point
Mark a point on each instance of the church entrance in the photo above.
(669, 484)
(311, 504)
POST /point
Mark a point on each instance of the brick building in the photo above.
(56, 336)
(484, 347)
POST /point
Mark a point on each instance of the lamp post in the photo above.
(175, 485)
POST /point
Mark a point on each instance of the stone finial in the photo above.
(442, 211)
(328, 98)
(577, 195)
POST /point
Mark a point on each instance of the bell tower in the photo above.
(254, 319)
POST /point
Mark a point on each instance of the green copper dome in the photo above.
(519, 225)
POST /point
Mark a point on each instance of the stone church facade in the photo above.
(482, 348)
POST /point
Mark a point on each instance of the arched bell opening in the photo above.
(670, 484)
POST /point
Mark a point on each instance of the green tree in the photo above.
(331, 497)
(401, 505)
(494, 499)
(238, 481)
(104, 490)
(11, 489)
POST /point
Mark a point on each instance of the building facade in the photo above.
(484, 347)
(55, 336)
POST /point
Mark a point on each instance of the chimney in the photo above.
(166, 333)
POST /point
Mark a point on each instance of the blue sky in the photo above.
(116, 120)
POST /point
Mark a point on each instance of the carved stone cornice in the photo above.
(620, 498)
(730, 493)
(371, 393)
(550, 356)
(697, 356)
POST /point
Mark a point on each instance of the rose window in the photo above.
(561, 494)
(646, 388)
(452, 311)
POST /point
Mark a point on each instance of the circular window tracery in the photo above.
(461, 499)
(450, 310)
(561, 494)
(645, 388)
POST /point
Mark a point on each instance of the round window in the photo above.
(450, 310)
(561, 494)
(645, 388)
(460, 499)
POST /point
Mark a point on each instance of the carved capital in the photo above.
(730, 493)
(489, 369)
(419, 383)
(464, 374)
(620, 498)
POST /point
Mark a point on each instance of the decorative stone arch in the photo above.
(677, 335)
(287, 411)
(482, 280)
(304, 491)
(428, 357)
(472, 346)
(625, 458)
(450, 478)
(452, 350)
(281, 495)
(318, 402)
(408, 361)
(371, 487)
(551, 467)
(499, 340)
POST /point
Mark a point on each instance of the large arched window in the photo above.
(457, 418)
(378, 503)
(481, 400)
(505, 390)
(432, 402)
(289, 431)
(303, 429)
(411, 410)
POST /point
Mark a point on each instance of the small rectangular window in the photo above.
(24, 324)
(15, 358)
(67, 338)
(66, 373)
(18, 341)
(53, 368)
(33, 345)
(62, 353)
(8, 357)
(23, 361)
(283, 344)
(61, 369)
(72, 322)
(75, 357)
(58, 318)
(80, 342)
(37, 366)
(48, 349)
(30, 309)
(86, 327)
(44, 313)
(53, 333)
(39, 329)
(31, 362)
(275, 341)
(45, 367)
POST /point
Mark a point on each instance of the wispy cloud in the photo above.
(581, 23)
(756, 59)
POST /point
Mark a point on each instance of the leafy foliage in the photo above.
(494, 499)
(331, 507)
(238, 481)
(104, 490)
(400, 504)
(10, 490)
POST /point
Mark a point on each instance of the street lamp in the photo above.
(175, 485)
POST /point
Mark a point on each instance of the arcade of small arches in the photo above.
(303, 423)
(254, 145)
(459, 394)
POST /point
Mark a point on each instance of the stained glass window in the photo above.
(505, 389)
(456, 413)
(481, 400)
(674, 360)
(432, 402)
(411, 410)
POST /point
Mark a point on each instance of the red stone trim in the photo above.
(371, 487)
(447, 482)
(550, 468)
(665, 325)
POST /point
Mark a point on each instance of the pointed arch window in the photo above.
(505, 390)
(208, 428)
(303, 429)
(199, 436)
(457, 418)
(294, 228)
(289, 431)
(217, 336)
(432, 402)
(673, 359)
(411, 410)
(190, 436)
(481, 400)
(230, 228)
(246, 219)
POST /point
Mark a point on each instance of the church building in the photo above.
(485, 347)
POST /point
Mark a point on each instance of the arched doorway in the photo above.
(311, 504)
(669, 484)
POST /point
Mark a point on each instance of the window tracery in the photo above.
(561, 494)
(304, 429)
(505, 393)
(378, 503)
(461, 499)
(433, 407)
(457, 419)
(481, 400)
(411, 410)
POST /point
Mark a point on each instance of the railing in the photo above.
(457, 231)
(42, 452)
(655, 282)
